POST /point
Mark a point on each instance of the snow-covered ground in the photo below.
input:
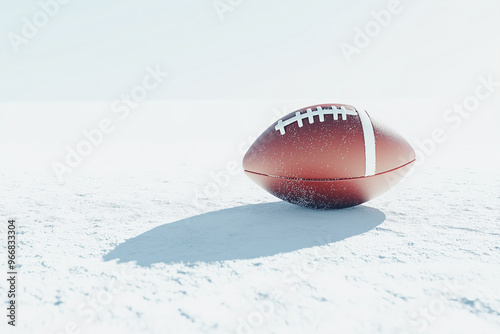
(154, 229)
(140, 238)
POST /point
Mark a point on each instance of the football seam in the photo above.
(309, 114)
(335, 179)
(254, 146)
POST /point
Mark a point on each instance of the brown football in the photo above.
(328, 156)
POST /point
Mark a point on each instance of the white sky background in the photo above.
(264, 55)
(93, 50)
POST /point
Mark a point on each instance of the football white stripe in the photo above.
(370, 149)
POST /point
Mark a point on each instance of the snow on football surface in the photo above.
(130, 251)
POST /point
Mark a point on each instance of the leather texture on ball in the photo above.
(328, 156)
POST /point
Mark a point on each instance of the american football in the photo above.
(328, 156)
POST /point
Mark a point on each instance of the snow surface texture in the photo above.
(149, 234)
(121, 245)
